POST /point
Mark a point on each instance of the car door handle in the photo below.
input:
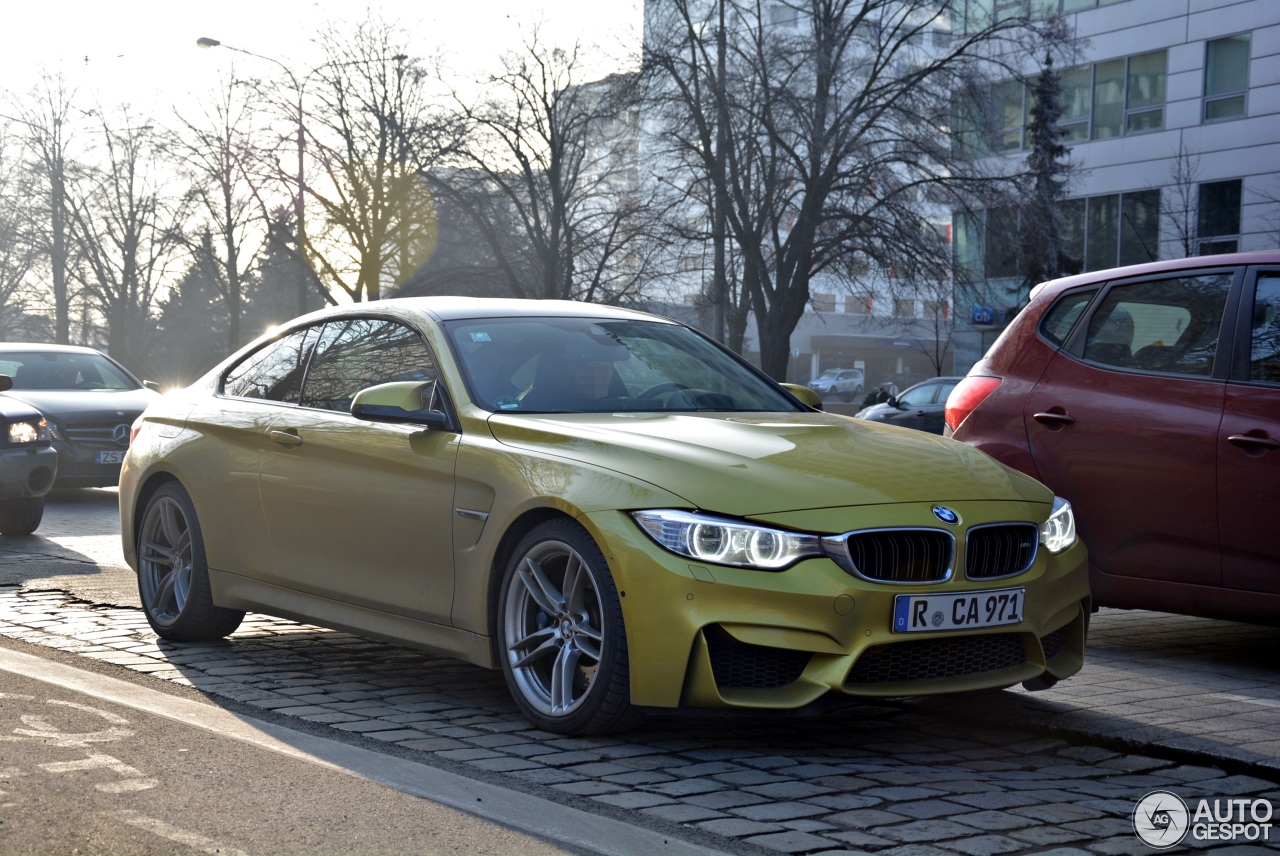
(1250, 442)
(1054, 419)
(285, 438)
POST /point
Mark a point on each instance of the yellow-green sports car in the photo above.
(610, 507)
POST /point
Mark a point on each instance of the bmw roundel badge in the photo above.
(946, 515)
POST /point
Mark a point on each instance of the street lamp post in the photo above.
(299, 200)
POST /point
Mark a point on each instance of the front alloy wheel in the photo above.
(562, 642)
(173, 579)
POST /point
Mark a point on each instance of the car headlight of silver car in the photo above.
(721, 541)
(28, 433)
(1059, 531)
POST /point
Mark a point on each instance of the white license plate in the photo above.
(923, 613)
(111, 457)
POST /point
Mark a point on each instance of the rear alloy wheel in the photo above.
(21, 516)
(560, 633)
(173, 578)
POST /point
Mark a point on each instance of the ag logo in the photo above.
(1161, 820)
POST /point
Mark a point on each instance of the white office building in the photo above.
(1172, 118)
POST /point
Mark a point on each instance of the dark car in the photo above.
(89, 400)
(27, 464)
(1149, 397)
(920, 407)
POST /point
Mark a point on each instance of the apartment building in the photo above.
(1172, 120)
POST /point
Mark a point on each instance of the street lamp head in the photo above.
(206, 42)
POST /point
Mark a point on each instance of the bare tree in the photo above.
(1179, 201)
(123, 213)
(372, 135)
(220, 156)
(44, 119)
(832, 116)
(558, 156)
(17, 254)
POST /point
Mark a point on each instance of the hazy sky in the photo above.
(144, 52)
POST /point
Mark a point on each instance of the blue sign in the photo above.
(983, 314)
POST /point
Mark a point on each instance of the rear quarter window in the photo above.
(1061, 318)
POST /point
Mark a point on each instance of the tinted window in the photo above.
(1062, 316)
(361, 352)
(919, 395)
(63, 370)
(587, 365)
(1168, 325)
(1264, 355)
(274, 371)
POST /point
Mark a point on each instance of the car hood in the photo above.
(877, 411)
(86, 404)
(753, 464)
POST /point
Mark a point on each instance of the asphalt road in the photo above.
(88, 769)
(1165, 703)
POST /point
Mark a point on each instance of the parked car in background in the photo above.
(1149, 397)
(27, 464)
(89, 401)
(920, 407)
(838, 383)
(613, 509)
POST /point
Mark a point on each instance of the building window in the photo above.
(858, 304)
(1226, 77)
(1101, 101)
(904, 307)
(1144, 93)
(937, 310)
(823, 302)
(1218, 222)
(1111, 230)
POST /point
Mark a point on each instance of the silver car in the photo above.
(838, 383)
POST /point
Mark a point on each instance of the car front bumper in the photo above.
(27, 473)
(714, 636)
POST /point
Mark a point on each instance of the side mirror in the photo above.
(399, 402)
(6, 383)
(152, 385)
(804, 395)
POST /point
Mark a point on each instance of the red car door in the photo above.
(1249, 451)
(1127, 431)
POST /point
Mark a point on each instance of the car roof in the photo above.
(458, 308)
(1271, 257)
(43, 347)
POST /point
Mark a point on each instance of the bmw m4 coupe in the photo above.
(610, 507)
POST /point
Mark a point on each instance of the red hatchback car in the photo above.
(1149, 397)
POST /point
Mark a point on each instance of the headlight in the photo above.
(719, 541)
(1059, 531)
(26, 433)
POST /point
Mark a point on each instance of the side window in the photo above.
(361, 352)
(1167, 325)
(1264, 353)
(1062, 316)
(274, 371)
(919, 396)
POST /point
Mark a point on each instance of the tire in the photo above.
(173, 577)
(564, 653)
(21, 516)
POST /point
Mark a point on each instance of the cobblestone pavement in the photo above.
(1164, 702)
(912, 777)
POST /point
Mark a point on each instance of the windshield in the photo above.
(585, 365)
(61, 370)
